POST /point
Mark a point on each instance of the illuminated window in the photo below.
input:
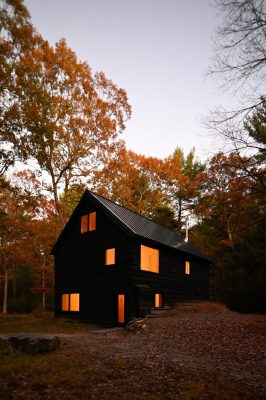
(74, 302)
(88, 222)
(92, 221)
(187, 268)
(70, 302)
(149, 259)
(65, 302)
(84, 223)
(121, 308)
(109, 256)
(158, 303)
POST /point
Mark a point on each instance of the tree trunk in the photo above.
(179, 216)
(5, 291)
(229, 233)
(14, 286)
(43, 288)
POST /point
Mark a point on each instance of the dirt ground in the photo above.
(179, 355)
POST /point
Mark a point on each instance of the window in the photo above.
(70, 302)
(149, 259)
(187, 268)
(110, 257)
(84, 223)
(92, 222)
(74, 302)
(65, 302)
(88, 222)
(158, 303)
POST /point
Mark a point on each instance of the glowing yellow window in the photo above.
(109, 256)
(121, 308)
(74, 302)
(187, 268)
(92, 221)
(149, 259)
(84, 223)
(158, 300)
(65, 302)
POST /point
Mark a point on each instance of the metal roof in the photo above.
(146, 228)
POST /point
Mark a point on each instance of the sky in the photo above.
(158, 51)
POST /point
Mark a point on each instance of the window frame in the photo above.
(71, 296)
(158, 296)
(66, 305)
(92, 221)
(84, 223)
(88, 222)
(155, 254)
(111, 251)
(187, 268)
(65, 302)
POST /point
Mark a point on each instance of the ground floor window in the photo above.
(70, 302)
(158, 301)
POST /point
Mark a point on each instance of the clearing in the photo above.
(203, 352)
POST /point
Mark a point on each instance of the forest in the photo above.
(61, 129)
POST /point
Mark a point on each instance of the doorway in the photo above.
(121, 308)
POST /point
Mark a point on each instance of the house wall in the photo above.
(171, 282)
(80, 268)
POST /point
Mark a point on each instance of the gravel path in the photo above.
(209, 346)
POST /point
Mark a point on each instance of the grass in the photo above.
(40, 322)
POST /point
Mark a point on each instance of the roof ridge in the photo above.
(134, 212)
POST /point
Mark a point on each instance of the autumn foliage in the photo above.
(65, 121)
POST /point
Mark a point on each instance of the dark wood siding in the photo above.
(171, 282)
(80, 268)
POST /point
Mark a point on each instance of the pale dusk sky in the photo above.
(158, 51)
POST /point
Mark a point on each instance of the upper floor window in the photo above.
(92, 221)
(88, 222)
(110, 257)
(149, 259)
(187, 268)
(84, 223)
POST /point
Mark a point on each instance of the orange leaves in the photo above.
(144, 184)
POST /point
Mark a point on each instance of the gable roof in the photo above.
(137, 225)
(146, 228)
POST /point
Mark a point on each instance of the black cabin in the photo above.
(112, 265)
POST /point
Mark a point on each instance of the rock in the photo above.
(5, 346)
(136, 325)
(34, 343)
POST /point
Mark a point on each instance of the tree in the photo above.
(54, 110)
(231, 231)
(71, 118)
(164, 215)
(28, 229)
(241, 40)
(248, 142)
(182, 182)
(130, 179)
(240, 60)
(17, 36)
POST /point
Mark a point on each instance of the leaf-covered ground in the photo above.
(180, 355)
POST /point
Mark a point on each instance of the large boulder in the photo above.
(34, 343)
